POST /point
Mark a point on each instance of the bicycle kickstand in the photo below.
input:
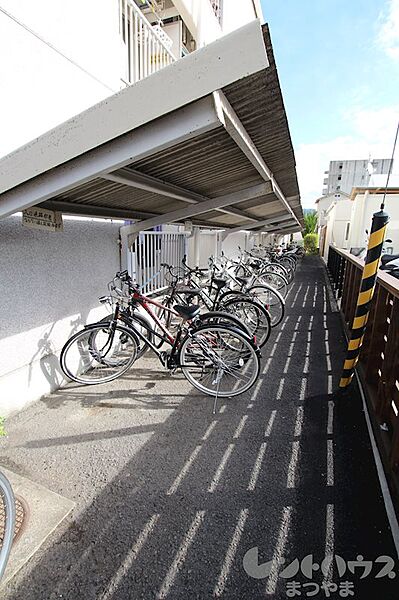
(218, 378)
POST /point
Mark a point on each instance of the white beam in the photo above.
(275, 219)
(184, 124)
(148, 183)
(201, 207)
(238, 133)
(282, 228)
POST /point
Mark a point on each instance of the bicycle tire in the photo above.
(198, 355)
(69, 358)
(276, 280)
(220, 317)
(271, 299)
(255, 316)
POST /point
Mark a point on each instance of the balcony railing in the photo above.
(378, 364)
(147, 48)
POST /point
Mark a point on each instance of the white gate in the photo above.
(149, 251)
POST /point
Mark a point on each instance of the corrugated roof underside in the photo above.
(212, 164)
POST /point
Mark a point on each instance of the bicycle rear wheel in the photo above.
(219, 360)
(254, 316)
(276, 280)
(220, 317)
(271, 300)
(99, 353)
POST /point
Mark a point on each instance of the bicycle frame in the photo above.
(167, 336)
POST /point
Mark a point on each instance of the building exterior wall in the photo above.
(324, 203)
(50, 288)
(78, 57)
(343, 175)
(337, 218)
(44, 88)
(348, 221)
(365, 205)
(235, 16)
(200, 20)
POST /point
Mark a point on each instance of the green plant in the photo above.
(311, 243)
(2, 430)
(310, 220)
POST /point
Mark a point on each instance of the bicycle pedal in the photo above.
(163, 355)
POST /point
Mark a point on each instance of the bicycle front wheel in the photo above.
(219, 360)
(99, 353)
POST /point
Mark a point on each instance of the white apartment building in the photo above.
(59, 58)
(343, 175)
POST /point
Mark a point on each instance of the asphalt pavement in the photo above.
(175, 502)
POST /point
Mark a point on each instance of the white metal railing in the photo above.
(149, 251)
(147, 51)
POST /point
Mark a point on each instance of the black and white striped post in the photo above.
(366, 292)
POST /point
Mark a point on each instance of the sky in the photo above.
(338, 64)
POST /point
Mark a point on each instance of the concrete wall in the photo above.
(44, 87)
(50, 288)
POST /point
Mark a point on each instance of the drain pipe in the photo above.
(9, 505)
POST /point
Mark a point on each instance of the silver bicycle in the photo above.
(7, 497)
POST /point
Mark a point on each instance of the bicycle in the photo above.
(132, 318)
(218, 360)
(8, 499)
(246, 312)
(264, 294)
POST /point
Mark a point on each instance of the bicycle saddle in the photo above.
(243, 280)
(188, 290)
(187, 312)
(219, 282)
(386, 258)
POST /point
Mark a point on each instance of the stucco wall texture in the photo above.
(50, 284)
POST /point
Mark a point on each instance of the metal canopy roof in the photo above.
(205, 139)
